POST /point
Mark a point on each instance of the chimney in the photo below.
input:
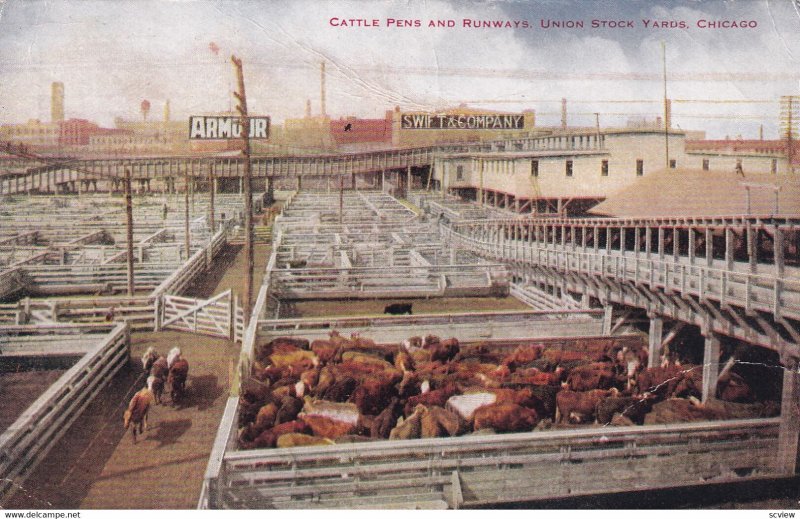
(322, 90)
(761, 132)
(57, 102)
(166, 111)
(563, 113)
(308, 108)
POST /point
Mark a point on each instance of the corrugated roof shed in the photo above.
(684, 192)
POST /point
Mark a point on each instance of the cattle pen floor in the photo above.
(438, 305)
(96, 464)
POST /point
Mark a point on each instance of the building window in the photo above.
(534, 168)
(705, 164)
(673, 163)
(604, 168)
(569, 168)
(639, 167)
(459, 172)
(774, 167)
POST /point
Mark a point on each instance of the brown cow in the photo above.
(269, 437)
(327, 427)
(579, 406)
(136, 413)
(633, 408)
(522, 355)
(598, 375)
(176, 379)
(505, 417)
(383, 424)
(374, 393)
(436, 397)
(677, 410)
(300, 440)
(411, 427)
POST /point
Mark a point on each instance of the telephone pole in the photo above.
(241, 97)
(129, 229)
(666, 104)
(790, 106)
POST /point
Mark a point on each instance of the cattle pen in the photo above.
(98, 352)
(317, 250)
(474, 471)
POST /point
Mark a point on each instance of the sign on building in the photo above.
(226, 127)
(462, 121)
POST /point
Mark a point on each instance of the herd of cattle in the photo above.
(170, 371)
(351, 389)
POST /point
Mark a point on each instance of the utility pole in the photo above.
(129, 229)
(186, 236)
(211, 220)
(666, 108)
(789, 118)
(248, 197)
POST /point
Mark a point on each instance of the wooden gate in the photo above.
(219, 316)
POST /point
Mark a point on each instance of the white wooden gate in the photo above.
(219, 316)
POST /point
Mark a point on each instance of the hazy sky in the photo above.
(111, 55)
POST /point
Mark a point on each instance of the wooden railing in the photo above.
(28, 440)
(492, 469)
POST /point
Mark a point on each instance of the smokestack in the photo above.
(563, 113)
(322, 90)
(761, 132)
(57, 102)
(308, 108)
(166, 111)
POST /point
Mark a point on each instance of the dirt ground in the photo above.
(96, 465)
(21, 389)
(447, 305)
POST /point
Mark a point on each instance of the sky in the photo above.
(111, 55)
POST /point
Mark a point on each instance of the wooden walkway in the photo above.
(96, 464)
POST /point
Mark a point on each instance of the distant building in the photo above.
(356, 134)
(403, 137)
(57, 102)
(34, 132)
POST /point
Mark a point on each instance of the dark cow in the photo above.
(398, 309)
(579, 405)
(634, 408)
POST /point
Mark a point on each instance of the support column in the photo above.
(752, 253)
(789, 429)
(408, 181)
(654, 343)
(710, 366)
(383, 181)
(607, 315)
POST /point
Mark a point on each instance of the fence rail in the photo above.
(487, 470)
(28, 440)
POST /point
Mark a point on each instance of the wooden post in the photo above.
(710, 366)
(789, 429)
(211, 188)
(654, 345)
(129, 229)
(248, 197)
(186, 237)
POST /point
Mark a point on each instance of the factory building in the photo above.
(568, 172)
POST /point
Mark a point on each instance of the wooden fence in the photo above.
(220, 316)
(486, 470)
(28, 440)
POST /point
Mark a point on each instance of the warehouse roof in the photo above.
(686, 192)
